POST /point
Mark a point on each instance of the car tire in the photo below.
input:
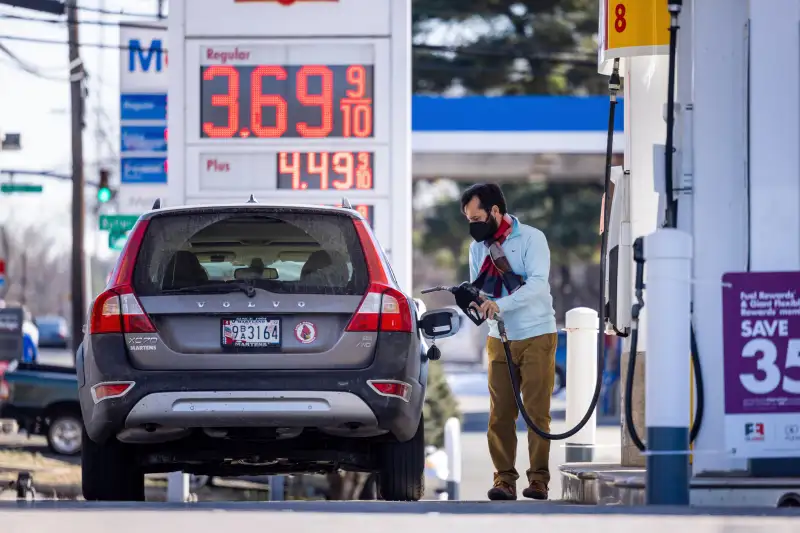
(110, 472)
(65, 433)
(402, 468)
(560, 381)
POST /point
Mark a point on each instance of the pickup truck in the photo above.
(43, 400)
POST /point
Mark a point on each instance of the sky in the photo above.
(38, 107)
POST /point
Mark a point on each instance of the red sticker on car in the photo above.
(305, 332)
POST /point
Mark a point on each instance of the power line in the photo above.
(98, 22)
(32, 69)
(63, 43)
(119, 13)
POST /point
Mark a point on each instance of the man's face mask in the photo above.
(482, 230)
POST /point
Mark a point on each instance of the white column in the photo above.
(645, 96)
(719, 221)
(582, 330)
(775, 135)
(668, 253)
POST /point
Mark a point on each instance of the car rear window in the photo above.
(285, 252)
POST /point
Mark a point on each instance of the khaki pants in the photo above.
(535, 358)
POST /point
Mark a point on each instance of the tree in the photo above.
(509, 47)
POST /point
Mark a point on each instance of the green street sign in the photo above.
(10, 188)
(117, 240)
(118, 223)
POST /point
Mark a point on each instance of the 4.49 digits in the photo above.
(323, 170)
(271, 101)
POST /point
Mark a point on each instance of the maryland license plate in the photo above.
(251, 332)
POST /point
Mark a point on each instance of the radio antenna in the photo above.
(346, 203)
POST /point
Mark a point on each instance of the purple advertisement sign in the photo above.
(761, 339)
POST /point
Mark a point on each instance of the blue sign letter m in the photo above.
(145, 55)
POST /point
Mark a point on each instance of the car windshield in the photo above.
(307, 253)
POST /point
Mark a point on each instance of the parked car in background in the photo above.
(43, 400)
(53, 332)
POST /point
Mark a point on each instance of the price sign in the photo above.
(294, 102)
(761, 326)
(278, 101)
(341, 171)
(632, 28)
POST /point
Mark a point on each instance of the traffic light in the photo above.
(104, 189)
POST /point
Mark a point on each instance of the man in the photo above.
(510, 263)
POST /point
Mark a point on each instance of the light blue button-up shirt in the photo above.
(529, 311)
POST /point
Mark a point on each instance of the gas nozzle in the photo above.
(465, 294)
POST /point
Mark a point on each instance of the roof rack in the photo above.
(252, 200)
(157, 204)
(346, 203)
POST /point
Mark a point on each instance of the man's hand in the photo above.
(488, 309)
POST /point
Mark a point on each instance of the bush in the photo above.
(440, 405)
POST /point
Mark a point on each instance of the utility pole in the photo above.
(161, 9)
(78, 208)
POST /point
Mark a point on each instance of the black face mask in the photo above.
(480, 231)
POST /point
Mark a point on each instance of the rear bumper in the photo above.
(340, 402)
(220, 409)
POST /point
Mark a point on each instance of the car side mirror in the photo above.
(440, 323)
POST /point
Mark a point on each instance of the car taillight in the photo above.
(117, 310)
(388, 387)
(4, 391)
(383, 308)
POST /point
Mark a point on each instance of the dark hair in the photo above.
(488, 194)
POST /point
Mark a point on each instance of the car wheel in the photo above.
(64, 434)
(560, 381)
(402, 470)
(110, 472)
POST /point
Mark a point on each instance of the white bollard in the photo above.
(668, 276)
(582, 330)
(177, 487)
(452, 447)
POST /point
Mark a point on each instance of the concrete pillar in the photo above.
(719, 136)
(645, 87)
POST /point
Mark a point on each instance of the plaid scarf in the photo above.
(496, 272)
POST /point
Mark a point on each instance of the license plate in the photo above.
(251, 332)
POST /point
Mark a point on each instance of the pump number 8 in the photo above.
(619, 18)
(768, 367)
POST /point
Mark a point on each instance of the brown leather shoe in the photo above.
(537, 490)
(502, 491)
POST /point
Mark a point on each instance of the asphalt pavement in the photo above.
(346, 517)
